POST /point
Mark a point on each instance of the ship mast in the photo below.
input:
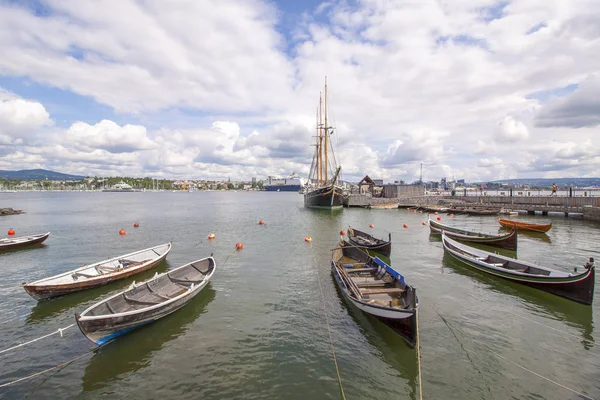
(317, 149)
(326, 134)
(320, 140)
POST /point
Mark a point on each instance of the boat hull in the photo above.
(35, 239)
(103, 331)
(578, 288)
(508, 241)
(383, 247)
(523, 226)
(328, 197)
(43, 292)
(403, 322)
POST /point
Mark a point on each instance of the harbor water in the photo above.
(259, 329)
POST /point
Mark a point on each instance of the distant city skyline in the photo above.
(482, 90)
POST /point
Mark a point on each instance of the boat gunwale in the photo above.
(40, 282)
(83, 317)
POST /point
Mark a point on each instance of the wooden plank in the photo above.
(370, 284)
(382, 291)
(355, 290)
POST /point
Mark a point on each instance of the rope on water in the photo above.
(419, 355)
(60, 330)
(452, 328)
(337, 369)
(47, 370)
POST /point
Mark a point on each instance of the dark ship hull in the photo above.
(328, 197)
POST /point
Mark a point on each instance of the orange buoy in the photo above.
(307, 239)
(452, 215)
(405, 226)
(261, 222)
(439, 219)
(239, 246)
(435, 213)
(371, 226)
(11, 232)
(211, 235)
(420, 212)
(342, 232)
(408, 208)
(136, 225)
(122, 232)
(415, 211)
(424, 223)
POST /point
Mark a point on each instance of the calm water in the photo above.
(258, 330)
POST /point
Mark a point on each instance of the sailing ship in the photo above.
(321, 191)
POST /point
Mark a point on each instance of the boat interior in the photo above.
(157, 290)
(372, 283)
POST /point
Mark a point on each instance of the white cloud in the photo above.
(511, 130)
(408, 82)
(21, 118)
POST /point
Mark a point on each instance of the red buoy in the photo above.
(439, 219)
(11, 232)
(211, 235)
(136, 225)
(307, 239)
(408, 208)
(261, 222)
(435, 213)
(239, 246)
(424, 223)
(415, 211)
(342, 232)
(122, 232)
(371, 226)
(420, 212)
(405, 226)
(452, 215)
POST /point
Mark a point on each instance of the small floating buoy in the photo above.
(136, 225)
(307, 239)
(122, 232)
(452, 215)
(405, 226)
(371, 226)
(415, 211)
(408, 208)
(211, 235)
(261, 222)
(439, 219)
(11, 232)
(424, 223)
(342, 232)
(239, 246)
(435, 213)
(420, 212)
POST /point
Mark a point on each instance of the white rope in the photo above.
(60, 330)
(419, 355)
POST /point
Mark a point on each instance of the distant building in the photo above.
(460, 182)
(378, 182)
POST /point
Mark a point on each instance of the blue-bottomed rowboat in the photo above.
(145, 302)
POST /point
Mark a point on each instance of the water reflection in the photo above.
(573, 314)
(134, 351)
(536, 236)
(29, 247)
(46, 309)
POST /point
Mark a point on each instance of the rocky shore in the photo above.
(9, 211)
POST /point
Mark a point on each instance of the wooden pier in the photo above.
(588, 207)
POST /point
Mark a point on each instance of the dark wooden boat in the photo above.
(98, 274)
(369, 242)
(326, 197)
(145, 302)
(574, 286)
(23, 241)
(507, 241)
(524, 226)
(377, 289)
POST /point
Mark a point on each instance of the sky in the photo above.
(204, 89)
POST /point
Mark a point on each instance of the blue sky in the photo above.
(224, 89)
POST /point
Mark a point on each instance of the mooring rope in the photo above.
(48, 369)
(452, 327)
(60, 330)
(419, 355)
(337, 369)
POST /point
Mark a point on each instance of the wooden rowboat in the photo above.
(507, 241)
(98, 274)
(524, 226)
(574, 286)
(387, 206)
(377, 289)
(369, 242)
(13, 243)
(145, 302)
